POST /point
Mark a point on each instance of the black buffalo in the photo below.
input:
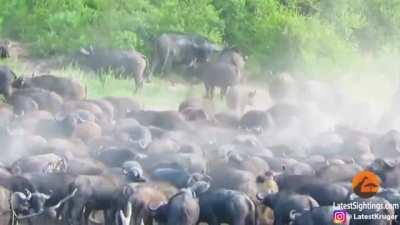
(30, 98)
(283, 203)
(227, 206)
(256, 121)
(217, 74)
(66, 88)
(7, 77)
(180, 49)
(126, 63)
(325, 194)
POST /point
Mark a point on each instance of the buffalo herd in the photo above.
(197, 58)
(67, 159)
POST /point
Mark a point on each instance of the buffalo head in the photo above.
(133, 171)
(125, 218)
(198, 177)
(267, 198)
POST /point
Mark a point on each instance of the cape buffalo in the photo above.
(227, 206)
(127, 63)
(123, 106)
(140, 196)
(180, 49)
(66, 88)
(169, 120)
(284, 202)
(216, 74)
(45, 163)
(256, 120)
(94, 193)
(7, 77)
(44, 99)
(177, 177)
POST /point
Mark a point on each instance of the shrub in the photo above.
(306, 36)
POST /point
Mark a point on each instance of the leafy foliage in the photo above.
(277, 34)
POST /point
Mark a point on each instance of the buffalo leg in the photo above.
(86, 215)
(207, 87)
(138, 215)
(66, 213)
(108, 217)
(223, 92)
(212, 88)
(102, 76)
(155, 64)
(12, 220)
(147, 220)
(165, 63)
(138, 83)
(76, 211)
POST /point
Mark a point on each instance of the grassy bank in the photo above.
(158, 94)
(164, 94)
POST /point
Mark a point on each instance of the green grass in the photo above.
(164, 94)
(159, 93)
